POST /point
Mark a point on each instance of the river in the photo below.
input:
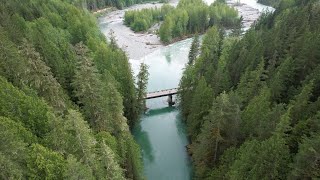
(161, 132)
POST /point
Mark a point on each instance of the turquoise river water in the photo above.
(161, 133)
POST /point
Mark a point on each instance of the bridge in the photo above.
(162, 93)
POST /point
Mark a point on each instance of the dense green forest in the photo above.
(94, 5)
(67, 97)
(190, 17)
(142, 20)
(195, 16)
(252, 104)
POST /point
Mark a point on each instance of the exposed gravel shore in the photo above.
(137, 45)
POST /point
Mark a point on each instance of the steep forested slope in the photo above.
(252, 104)
(66, 96)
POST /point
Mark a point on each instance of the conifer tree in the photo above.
(219, 131)
(37, 65)
(165, 30)
(199, 108)
(306, 162)
(43, 162)
(77, 170)
(108, 167)
(72, 135)
(39, 77)
(14, 139)
(88, 88)
(255, 117)
(254, 160)
(29, 110)
(142, 82)
(194, 49)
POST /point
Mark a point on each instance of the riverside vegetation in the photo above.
(252, 104)
(190, 17)
(67, 98)
(94, 5)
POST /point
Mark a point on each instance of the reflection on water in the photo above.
(168, 57)
(181, 131)
(142, 138)
(155, 112)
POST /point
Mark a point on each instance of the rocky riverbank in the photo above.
(137, 45)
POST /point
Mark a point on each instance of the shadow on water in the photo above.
(142, 138)
(181, 126)
(155, 112)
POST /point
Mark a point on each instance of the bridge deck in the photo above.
(162, 93)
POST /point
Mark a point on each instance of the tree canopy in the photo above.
(189, 17)
(68, 97)
(259, 118)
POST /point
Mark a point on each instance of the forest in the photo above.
(190, 17)
(252, 103)
(67, 96)
(142, 20)
(94, 5)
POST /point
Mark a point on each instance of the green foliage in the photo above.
(222, 15)
(142, 82)
(142, 20)
(14, 139)
(109, 140)
(219, 131)
(94, 5)
(76, 170)
(254, 162)
(165, 30)
(73, 136)
(194, 16)
(255, 117)
(87, 85)
(194, 49)
(57, 73)
(29, 110)
(265, 124)
(199, 108)
(190, 17)
(24, 67)
(306, 163)
(39, 77)
(187, 80)
(9, 169)
(113, 64)
(133, 158)
(54, 47)
(92, 93)
(107, 161)
(211, 46)
(44, 163)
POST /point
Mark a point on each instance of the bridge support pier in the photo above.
(170, 101)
